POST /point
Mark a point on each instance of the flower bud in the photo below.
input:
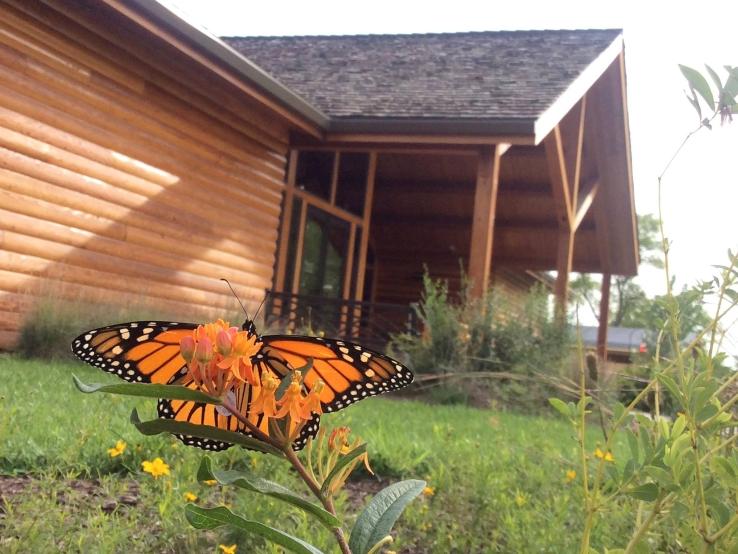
(187, 348)
(204, 351)
(223, 342)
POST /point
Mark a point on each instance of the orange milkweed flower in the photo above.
(311, 403)
(265, 401)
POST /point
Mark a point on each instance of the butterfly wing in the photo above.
(148, 352)
(350, 371)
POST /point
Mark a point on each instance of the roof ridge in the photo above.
(426, 35)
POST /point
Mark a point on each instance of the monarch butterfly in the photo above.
(149, 352)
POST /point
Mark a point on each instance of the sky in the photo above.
(700, 189)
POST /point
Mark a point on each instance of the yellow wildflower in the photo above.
(156, 468)
(607, 456)
(118, 449)
(189, 497)
(570, 475)
(520, 499)
(210, 482)
(429, 491)
(227, 549)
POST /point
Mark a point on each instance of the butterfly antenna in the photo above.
(237, 298)
(260, 306)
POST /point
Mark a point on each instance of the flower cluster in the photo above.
(219, 356)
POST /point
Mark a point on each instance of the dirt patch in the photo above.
(74, 492)
(357, 491)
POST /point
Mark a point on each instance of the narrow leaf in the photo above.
(560, 406)
(211, 518)
(158, 426)
(342, 462)
(243, 480)
(714, 77)
(698, 83)
(377, 519)
(171, 392)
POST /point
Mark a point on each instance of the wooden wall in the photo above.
(126, 170)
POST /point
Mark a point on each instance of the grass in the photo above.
(498, 477)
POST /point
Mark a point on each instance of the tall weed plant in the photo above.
(682, 470)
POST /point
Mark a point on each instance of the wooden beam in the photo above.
(604, 317)
(483, 222)
(366, 221)
(559, 179)
(586, 199)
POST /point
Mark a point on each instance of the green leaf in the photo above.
(648, 492)
(699, 83)
(158, 426)
(670, 384)
(633, 445)
(561, 407)
(342, 462)
(211, 518)
(243, 480)
(171, 392)
(714, 77)
(377, 519)
(660, 475)
(718, 509)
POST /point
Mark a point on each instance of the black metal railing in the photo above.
(369, 323)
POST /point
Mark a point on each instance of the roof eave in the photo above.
(577, 89)
(232, 59)
(475, 131)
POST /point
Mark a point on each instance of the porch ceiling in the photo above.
(424, 205)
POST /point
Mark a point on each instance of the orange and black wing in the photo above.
(350, 371)
(148, 352)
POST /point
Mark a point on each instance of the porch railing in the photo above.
(369, 323)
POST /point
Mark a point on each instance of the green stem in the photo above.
(724, 529)
(640, 531)
(295, 461)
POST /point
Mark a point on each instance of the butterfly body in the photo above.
(149, 352)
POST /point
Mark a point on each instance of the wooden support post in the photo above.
(284, 233)
(483, 223)
(604, 317)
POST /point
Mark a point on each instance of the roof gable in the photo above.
(512, 76)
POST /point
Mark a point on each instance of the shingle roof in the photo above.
(627, 339)
(504, 75)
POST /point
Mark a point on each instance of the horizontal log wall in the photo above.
(128, 173)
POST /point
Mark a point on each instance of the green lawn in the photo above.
(498, 477)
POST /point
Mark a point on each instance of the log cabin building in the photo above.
(141, 157)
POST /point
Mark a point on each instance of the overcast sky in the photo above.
(701, 187)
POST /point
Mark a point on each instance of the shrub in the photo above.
(506, 343)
